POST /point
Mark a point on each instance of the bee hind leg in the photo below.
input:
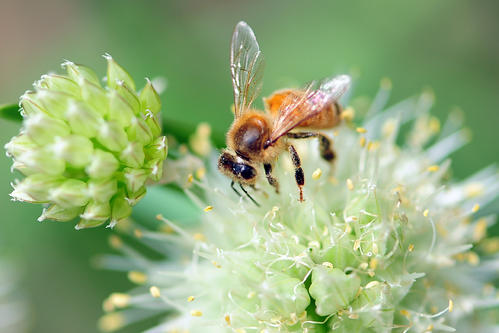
(299, 175)
(271, 179)
(325, 144)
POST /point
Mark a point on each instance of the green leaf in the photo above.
(11, 112)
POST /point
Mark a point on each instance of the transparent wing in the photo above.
(246, 67)
(300, 106)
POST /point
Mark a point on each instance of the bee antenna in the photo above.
(249, 196)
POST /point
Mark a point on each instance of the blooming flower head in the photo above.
(383, 242)
(87, 151)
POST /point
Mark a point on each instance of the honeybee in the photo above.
(259, 137)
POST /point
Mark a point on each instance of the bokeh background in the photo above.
(451, 46)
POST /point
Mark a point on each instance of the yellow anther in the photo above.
(475, 208)
(363, 265)
(240, 330)
(480, 230)
(451, 305)
(350, 184)
(251, 294)
(200, 173)
(362, 141)
(375, 248)
(227, 319)
(159, 217)
(199, 237)
(190, 298)
(190, 178)
(327, 264)
(429, 328)
(120, 300)
(372, 284)
(474, 190)
(411, 247)
(137, 277)
(167, 229)
(325, 231)
(356, 244)
(216, 264)
(111, 322)
(155, 292)
(473, 258)
(115, 242)
(196, 313)
(491, 245)
(373, 263)
(361, 130)
(425, 213)
(348, 114)
(107, 305)
(373, 145)
(348, 229)
(405, 313)
(433, 168)
(208, 208)
(138, 233)
(371, 273)
(317, 174)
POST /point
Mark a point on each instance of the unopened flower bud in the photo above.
(55, 103)
(112, 136)
(149, 99)
(42, 129)
(153, 123)
(36, 188)
(120, 208)
(59, 83)
(97, 212)
(72, 193)
(103, 164)
(78, 73)
(19, 144)
(83, 119)
(42, 162)
(133, 155)
(155, 168)
(58, 213)
(135, 178)
(94, 96)
(74, 149)
(120, 110)
(157, 149)
(116, 73)
(102, 190)
(139, 131)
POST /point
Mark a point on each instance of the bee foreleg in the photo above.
(325, 144)
(249, 196)
(299, 175)
(272, 180)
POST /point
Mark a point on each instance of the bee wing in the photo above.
(246, 67)
(296, 108)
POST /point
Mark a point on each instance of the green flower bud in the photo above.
(149, 99)
(116, 73)
(157, 150)
(120, 208)
(83, 119)
(103, 164)
(36, 188)
(82, 146)
(78, 73)
(332, 289)
(75, 149)
(135, 179)
(133, 155)
(72, 193)
(112, 136)
(58, 213)
(42, 162)
(42, 129)
(59, 83)
(19, 144)
(96, 212)
(139, 131)
(120, 110)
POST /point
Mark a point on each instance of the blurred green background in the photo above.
(449, 45)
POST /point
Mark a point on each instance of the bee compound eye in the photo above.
(247, 172)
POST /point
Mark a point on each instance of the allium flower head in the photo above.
(383, 242)
(87, 151)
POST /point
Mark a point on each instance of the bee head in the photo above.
(236, 168)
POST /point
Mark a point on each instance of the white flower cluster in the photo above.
(384, 242)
